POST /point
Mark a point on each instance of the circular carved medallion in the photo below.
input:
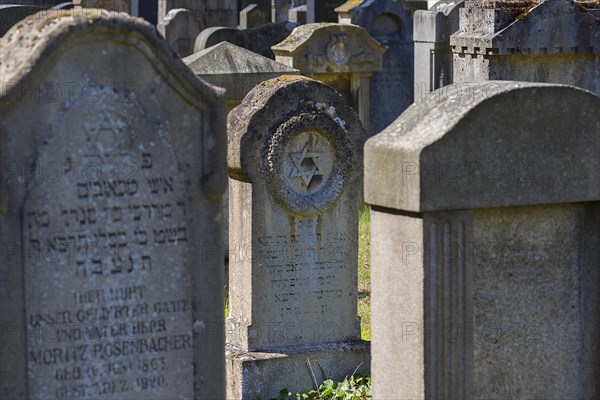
(308, 163)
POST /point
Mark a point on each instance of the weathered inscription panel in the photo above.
(107, 276)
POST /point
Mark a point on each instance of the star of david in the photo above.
(301, 169)
(104, 128)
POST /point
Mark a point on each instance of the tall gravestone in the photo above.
(342, 56)
(294, 160)
(485, 245)
(390, 22)
(433, 54)
(554, 41)
(261, 12)
(180, 27)
(110, 284)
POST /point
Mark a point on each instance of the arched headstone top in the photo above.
(327, 47)
(272, 118)
(489, 145)
(44, 34)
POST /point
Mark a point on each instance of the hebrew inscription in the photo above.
(107, 276)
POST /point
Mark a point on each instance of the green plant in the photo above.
(351, 388)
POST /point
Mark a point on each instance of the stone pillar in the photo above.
(295, 167)
(485, 245)
(433, 54)
(555, 41)
(180, 27)
(111, 279)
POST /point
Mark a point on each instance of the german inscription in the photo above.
(107, 278)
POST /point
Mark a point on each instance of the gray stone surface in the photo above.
(210, 12)
(485, 245)
(269, 373)
(234, 68)
(252, 17)
(180, 27)
(390, 22)
(261, 12)
(10, 14)
(433, 54)
(111, 280)
(551, 41)
(342, 56)
(257, 40)
(298, 15)
(294, 160)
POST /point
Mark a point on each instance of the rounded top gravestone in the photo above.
(112, 149)
(295, 111)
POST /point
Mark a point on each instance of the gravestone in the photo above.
(67, 5)
(261, 12)
(111, 5)
(433, 54)
(238, 71)
(485, 245)
(180, 27)
(10, 14)
(252, 17)
(342, 56)
(554, 41)
(294, 160)
(298, 15)
(390, 22)
(257, 40)
(111, 284)
(210, 12)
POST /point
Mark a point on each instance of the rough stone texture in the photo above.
(10, 14)
(180, 27)
(268, 373)
(234, 68)
(210, 12)
(552, 41)
(433, 54)
(294, 159)
(257, 40)
(390, 22)
(342, 56)
(111, 284)
(485, 234)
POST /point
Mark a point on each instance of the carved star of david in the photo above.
(105, 128)
(301, 169)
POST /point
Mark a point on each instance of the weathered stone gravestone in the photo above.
(252, 17)
(210, 12)
(433, 54)
(10, 14)
(257, 40)
(254, 13)
(294, 159)
(485, 245)
(342, 56)
(551, 41)
(180, 27)
(390, 22)
(234, 68)
(111, 287)
(298, 15)
(238, 71)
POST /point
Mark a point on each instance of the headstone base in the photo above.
(265, 374)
